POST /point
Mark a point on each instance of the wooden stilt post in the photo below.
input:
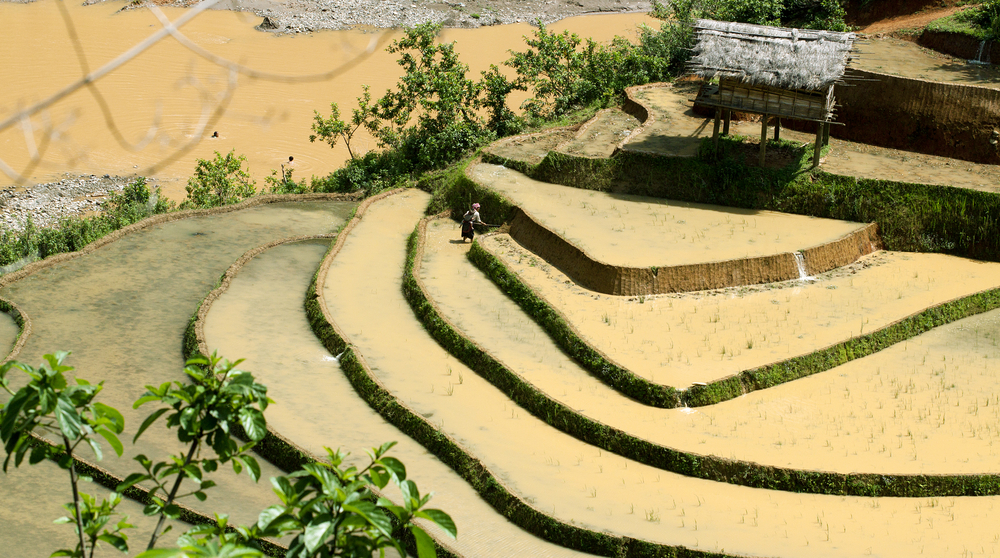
(826, 133)
(763, 137)
(725, 123)
(715, 131)
(819, 143)
(777, 129)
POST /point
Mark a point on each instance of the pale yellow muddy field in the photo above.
(575, 482)
(639, 231)
(31, 498)
(908, 59)
(261, 318)
(8, 334)
(887, 413)
(679, 339)
(122, 311)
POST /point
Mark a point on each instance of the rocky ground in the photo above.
(48, 203)
(303, 16)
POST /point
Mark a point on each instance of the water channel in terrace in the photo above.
(268, 121)
(122, 311)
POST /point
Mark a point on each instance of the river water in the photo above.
(165, 91)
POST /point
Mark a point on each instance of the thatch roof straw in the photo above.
(773, 56)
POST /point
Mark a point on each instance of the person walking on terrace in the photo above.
(470, 219)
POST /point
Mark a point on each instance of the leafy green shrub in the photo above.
(221, 181)
(987, 16)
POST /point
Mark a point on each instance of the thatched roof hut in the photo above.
(773, 71)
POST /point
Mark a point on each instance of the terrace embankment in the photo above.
(674, 129)
(8, 333)
(260, 317)
(122, 309)
(681, 339)
(600, 136)
(888, 413)
(632, 245)
(580, 486)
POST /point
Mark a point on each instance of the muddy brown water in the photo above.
(170, 87)
(31, 498)
(8, 333)
(703, 336)
(261, 318)
(577, 483)
(641, 231)
(122, 311)
(891, 412)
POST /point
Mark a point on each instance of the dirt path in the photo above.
(909, 21)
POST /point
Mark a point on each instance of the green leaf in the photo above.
(253, 468)
(131, 480)
(148, 422)
(162, 553)
(97, 449)
(396, 467)
(112, 440)
(441, 519)
(253, 423)
(371, 513)
(112, 414)
(425, 546)
(115, 541)
(315, 532)
(70, 422)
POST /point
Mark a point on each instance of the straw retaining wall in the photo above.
(632, 281)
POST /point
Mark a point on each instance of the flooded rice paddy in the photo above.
(122, 311)
(639, 231)
(703, 336)
(167, 98)
(892, 412)
(261, 318)
(577, 483)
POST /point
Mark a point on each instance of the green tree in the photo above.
(221, 181)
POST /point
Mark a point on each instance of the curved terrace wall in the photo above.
(633, 281)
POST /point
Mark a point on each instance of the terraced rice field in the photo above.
(714, 334)
(892, 412)
(532, 452)
(260, 318)
(639, 231)
(122, 310)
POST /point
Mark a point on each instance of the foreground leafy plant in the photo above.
(49, 404)
(327, 509)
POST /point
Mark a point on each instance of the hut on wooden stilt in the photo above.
(771, 71)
